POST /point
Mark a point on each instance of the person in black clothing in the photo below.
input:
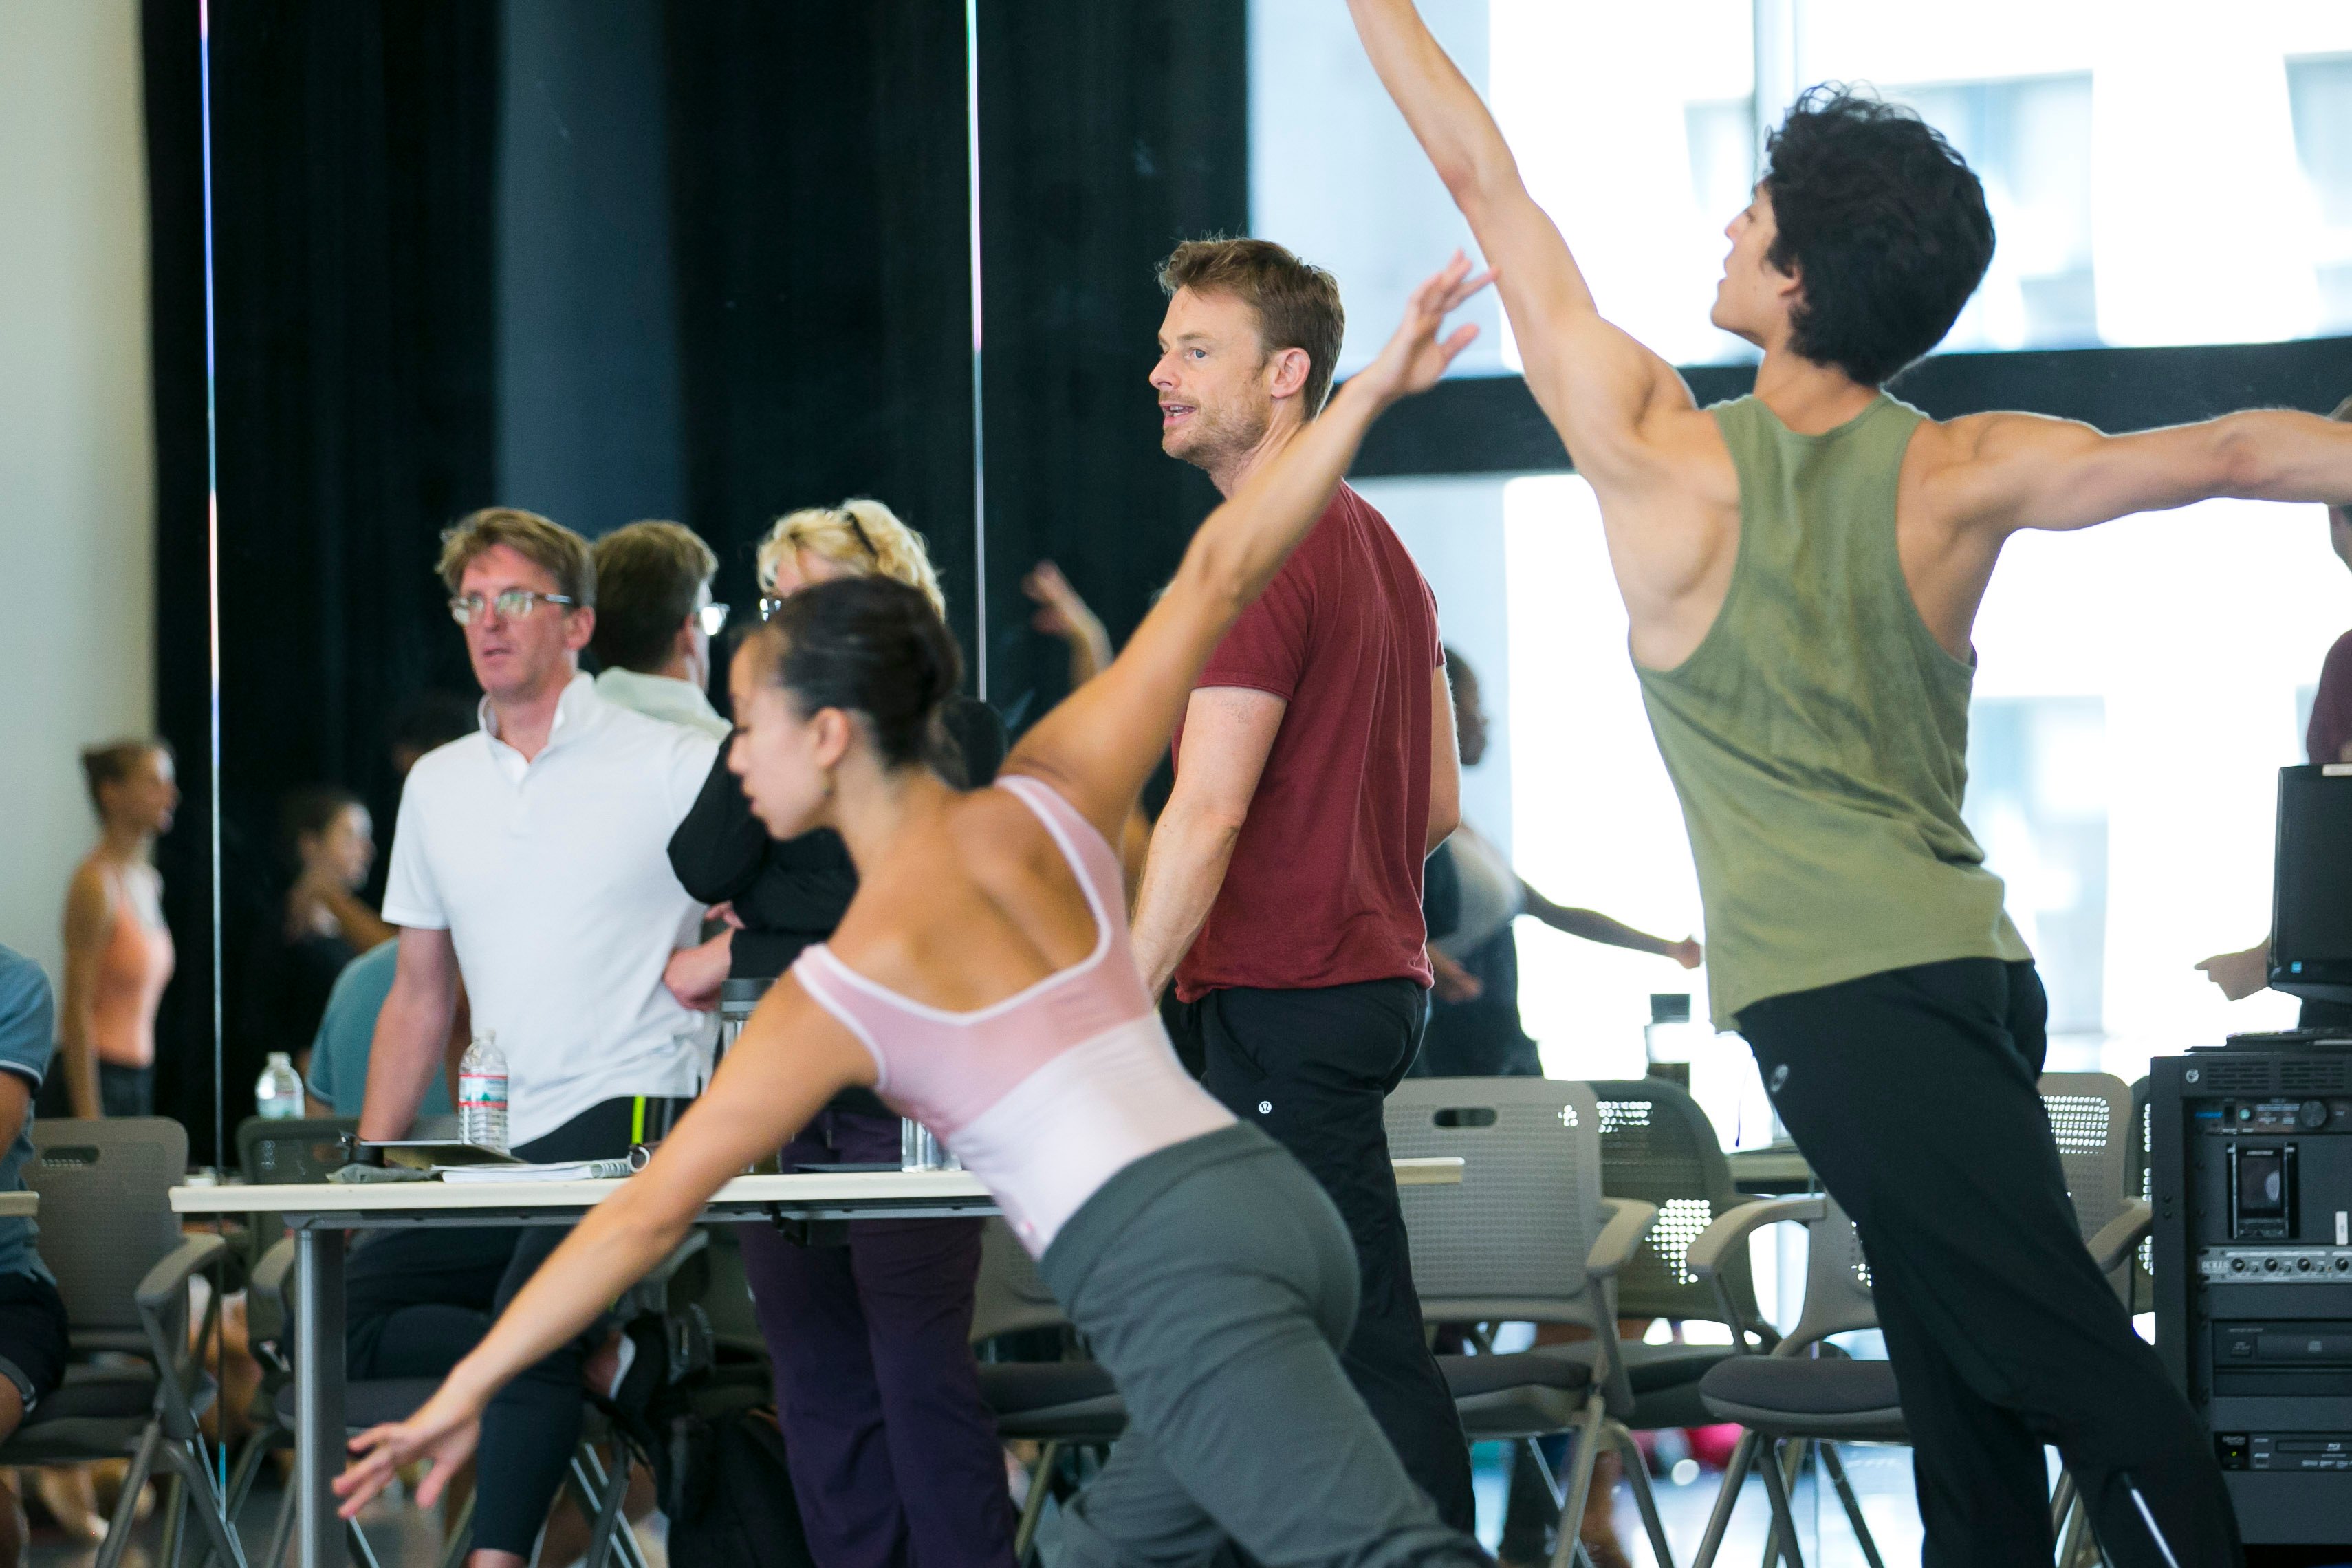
(328, 842)
(875, 1381)
(1470, 898)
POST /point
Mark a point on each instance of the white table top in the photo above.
(19, 1206)
(809, 1193)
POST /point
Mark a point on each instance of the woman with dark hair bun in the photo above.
(893, 1451)
(119, 951)
(982, 983)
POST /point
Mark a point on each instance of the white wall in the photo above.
(76, 460)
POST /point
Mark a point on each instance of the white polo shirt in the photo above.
(553, 879)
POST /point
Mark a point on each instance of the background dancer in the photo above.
(982, 979)
(1802, 568)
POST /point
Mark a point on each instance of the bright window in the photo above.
(2158, 176)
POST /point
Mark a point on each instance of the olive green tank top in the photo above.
(1818, 736)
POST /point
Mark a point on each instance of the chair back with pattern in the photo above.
(106, 1216)
(2090, 1118)
(1837, 1283)
(1009, 1296)
(1657, 1145)
(1511, 1242)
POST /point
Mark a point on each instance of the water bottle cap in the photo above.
(1670, 1008)
(279, 1058)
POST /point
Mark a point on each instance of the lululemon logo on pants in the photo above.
(1265, 1108)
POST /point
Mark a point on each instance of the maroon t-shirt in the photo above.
(1325, 884)
(2331, 710)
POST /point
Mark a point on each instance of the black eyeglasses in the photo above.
(511, 604)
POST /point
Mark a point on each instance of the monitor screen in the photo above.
(2311, 943)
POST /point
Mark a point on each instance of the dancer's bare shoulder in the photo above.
(1670, 509)
(970, 907)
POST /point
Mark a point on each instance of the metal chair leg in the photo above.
(1032, 1506)
(281, 1536)
(126, 1508)
(1784, 1518)
(171, 1546)
(1586, 1434)
(1637, 1477)
(1836, 1468)
(198, 1499)
(1735, 1478)
(461, 1535)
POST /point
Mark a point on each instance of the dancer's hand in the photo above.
(1687, 953)
(1451, 981)
(1416, 356)
(444, 1430)
(2240, 974)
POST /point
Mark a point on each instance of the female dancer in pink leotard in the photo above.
(982, 982)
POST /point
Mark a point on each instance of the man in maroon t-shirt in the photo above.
(1314, 772)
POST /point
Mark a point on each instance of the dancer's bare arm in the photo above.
(1103, 741)
(790, 1058)
(1611, 400)
(2006, 472)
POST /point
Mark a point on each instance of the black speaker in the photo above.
(2251, 1167)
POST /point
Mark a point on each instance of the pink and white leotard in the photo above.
(1048, 1094)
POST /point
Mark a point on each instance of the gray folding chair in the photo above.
(1058, 1404)
(1526, 1237)
(372, 1402)
(1794, 1393)
(1657, 1145)
(136, 1388)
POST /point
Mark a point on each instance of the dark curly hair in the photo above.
(1884, 223)
(872, 646)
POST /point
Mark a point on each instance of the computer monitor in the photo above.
(2311, 905)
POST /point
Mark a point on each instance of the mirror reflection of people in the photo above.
(2329, 739)
(328, 838)
(1474, 1014)
(984, 980)
(885, 1432)
(118, 951)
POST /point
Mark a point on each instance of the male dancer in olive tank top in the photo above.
(1802, 568)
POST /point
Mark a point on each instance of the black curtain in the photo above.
(1108, 133)
(817, 172)
(352, 177)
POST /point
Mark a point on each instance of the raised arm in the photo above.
(2016, 471)
(1099, 745)
(1598, 386)
(791, 1058)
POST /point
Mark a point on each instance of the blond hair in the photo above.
(862, 537)
(563, 553)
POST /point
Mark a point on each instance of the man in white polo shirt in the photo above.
(532, 856)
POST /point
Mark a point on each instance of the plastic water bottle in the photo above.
(482, 1093)
(277, 1096)
(1672, 1040)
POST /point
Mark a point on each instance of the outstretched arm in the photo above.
(1598, 385)
(1593, 926)
(1099, 745)
(791, 1058)
(2022, 471)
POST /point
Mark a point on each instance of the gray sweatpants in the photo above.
(1216, 1283)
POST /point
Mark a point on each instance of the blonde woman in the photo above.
(873, 1376)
